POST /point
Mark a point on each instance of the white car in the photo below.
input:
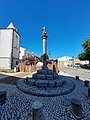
(77, 64)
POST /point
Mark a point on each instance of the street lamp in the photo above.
(49, 54)
(72, 61)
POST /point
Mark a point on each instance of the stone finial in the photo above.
(37, 111)
(44, 29)
(44, 34)
(76, 107)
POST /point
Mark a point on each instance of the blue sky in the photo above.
(67, 23)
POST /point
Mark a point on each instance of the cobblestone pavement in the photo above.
(9, 80)
(18, 105)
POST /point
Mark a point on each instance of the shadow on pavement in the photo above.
(8, 79)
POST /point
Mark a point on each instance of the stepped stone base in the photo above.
(49, 89)
(45, 75)
(46, 83)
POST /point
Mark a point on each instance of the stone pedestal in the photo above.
(76, 107)
(37, 111)
(2, 97)
(77, 77)
(86, 83)
(44, 62)
(89, 92)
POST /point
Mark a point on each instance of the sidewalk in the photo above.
(17, 74)
(63, 73)
(24, 74)
(3, 76)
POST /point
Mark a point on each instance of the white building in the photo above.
(64, 58)
(70, 61)
(24, 53)
(9, 46)
(65, 61)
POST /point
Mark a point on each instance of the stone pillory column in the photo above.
(44, 38)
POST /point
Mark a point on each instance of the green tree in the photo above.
(85, 55)
(41, 57)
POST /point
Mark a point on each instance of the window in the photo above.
(16, 36)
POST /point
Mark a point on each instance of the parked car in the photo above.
(84, 65)
(77, 64)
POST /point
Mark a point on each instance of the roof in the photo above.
(32, 58)
(11, 25)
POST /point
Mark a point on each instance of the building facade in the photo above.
(24, 53)
(65, 61)
(9, 47)
(70, 61)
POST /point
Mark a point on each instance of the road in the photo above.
(82, 73)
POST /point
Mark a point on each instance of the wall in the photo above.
(5, 48)
(25, 53)
(9, 48)
(21, 53)
(16, 47)
(5, 64)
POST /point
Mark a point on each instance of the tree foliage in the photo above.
(47, 56)
(86, 44)
(81, 56)
(85, 55)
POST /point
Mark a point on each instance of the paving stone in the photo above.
(49, 77)
(38, 76)
(41, 83)
(43, 77)
(58, 83)
(34, 76)
(55, 76)
(31, 81)
(51, 83)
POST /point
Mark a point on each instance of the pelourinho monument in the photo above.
(45, 82)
